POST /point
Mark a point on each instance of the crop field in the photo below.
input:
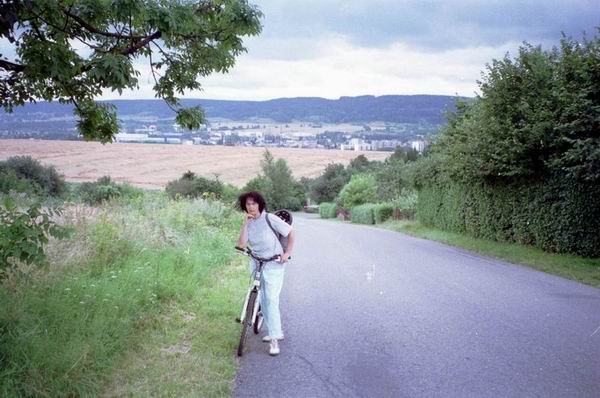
(154, 165)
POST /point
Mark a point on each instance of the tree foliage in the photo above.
(73, 50)
(328, 185)
(522, 161)
(360, 190)
(277, 184)
(538, 114)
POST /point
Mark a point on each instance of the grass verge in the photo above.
(580, 269)
(190, 349)
(144, 281)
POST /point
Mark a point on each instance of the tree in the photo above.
(277, 184)
(182, 40)
(360, 190)
(538, 115)
(328, 185)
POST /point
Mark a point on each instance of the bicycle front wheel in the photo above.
(247, 322)
(258, 321)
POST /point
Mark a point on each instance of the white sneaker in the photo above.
(267, 339)
(274, 348)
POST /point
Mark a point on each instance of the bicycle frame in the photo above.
(255, 283)
(254, 287)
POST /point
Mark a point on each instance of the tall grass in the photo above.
(65, 329)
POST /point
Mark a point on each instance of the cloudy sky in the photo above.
(333, 48)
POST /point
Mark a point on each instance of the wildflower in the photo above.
(113, 276)
(105, 300)
(92, 285)
(138, 290)
(82, 302)
(68, 289)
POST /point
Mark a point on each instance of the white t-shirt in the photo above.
(261, 237)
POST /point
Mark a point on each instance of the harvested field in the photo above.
(154, 165)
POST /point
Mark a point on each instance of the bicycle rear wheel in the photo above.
(247, 322)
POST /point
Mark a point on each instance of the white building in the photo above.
(356, 144)
(125, 137)
(418, 145)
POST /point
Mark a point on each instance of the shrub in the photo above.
(43, 180)
(382, 212)
(230, 193)
(406, 205)
(192, 186)
(327, 210)
(24, 230)
(360, 190)
(363, 214)
(11, 181)
(99, 191)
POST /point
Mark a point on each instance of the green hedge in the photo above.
(363, 214)
(557, 215)
(327, 210)
(383, 212)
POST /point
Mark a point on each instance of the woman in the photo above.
(257, 233)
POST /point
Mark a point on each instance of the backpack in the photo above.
(285, 216)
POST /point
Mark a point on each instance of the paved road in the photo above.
(373, 313)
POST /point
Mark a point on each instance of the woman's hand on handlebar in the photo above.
(284, 258)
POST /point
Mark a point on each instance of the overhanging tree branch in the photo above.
(11, 66)
(93, 29)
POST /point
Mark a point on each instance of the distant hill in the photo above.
(389, 108)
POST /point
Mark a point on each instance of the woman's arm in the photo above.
(243, 239)
(290, 246)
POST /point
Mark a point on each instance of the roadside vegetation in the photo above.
(136, 295)
(514, 174)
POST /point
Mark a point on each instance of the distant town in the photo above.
(364, 123)
(346, 137)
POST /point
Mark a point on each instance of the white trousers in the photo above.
(270, 289)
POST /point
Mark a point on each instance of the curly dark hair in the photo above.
(255, 196)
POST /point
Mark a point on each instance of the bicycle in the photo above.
(251, 316)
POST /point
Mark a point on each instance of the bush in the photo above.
(406, 205)
(327, 210)
(193, 186)
(383, 212)
(363, 214)
(360, 190)
(24, 230)
(99, 191)
(11, 181)
(43, 180)
(230, 193)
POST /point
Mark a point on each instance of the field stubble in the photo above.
(152, 166)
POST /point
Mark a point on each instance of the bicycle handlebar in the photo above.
(248, 252)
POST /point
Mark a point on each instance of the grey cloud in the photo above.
(431, 25)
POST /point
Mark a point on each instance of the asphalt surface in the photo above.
(374, 313)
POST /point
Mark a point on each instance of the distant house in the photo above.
(356, 144)
(125, 137)
(418, 145)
